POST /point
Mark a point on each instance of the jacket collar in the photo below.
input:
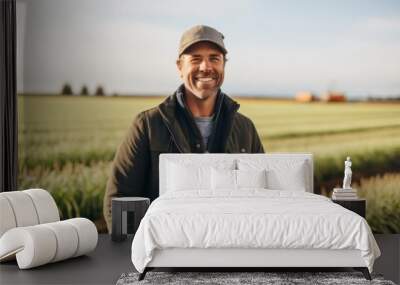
(169, 107)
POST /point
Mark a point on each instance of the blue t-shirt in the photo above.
(205, 125)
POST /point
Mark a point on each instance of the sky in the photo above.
(275, 48)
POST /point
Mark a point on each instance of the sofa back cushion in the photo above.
(26, 208)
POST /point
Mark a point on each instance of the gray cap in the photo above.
(201, 33)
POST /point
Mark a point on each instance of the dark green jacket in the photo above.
(170, 128)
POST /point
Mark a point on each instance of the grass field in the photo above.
(383, 207)
(67, 143)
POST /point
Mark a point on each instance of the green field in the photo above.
(67, 143)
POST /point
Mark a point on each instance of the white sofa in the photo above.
(31, 231)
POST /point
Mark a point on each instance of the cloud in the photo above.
(347, 67)
(382, 24)
(375, 30)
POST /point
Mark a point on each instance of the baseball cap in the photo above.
(201, 33)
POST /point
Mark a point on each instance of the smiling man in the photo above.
(197, 118)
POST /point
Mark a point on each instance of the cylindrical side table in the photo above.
(121, 207)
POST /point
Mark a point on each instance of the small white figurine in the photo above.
(347, 174)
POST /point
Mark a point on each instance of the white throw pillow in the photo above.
(251, 178)
(189, 173)
(181, 177)
(223, 179)
(281, 174)
(226, 179)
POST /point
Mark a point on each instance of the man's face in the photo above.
(202, 69)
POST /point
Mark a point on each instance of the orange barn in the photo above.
(332, 96)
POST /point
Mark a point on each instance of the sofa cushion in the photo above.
(40, 244)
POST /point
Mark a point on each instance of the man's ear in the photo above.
(225, 60)
(179, 66)
(178, 63)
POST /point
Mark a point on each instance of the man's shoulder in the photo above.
(153, 113)
(148, 113)
(243, 120)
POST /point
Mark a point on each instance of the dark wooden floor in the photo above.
(389, 262)
(110, 260)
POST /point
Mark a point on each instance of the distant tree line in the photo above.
(68, 91)
(383, 99)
